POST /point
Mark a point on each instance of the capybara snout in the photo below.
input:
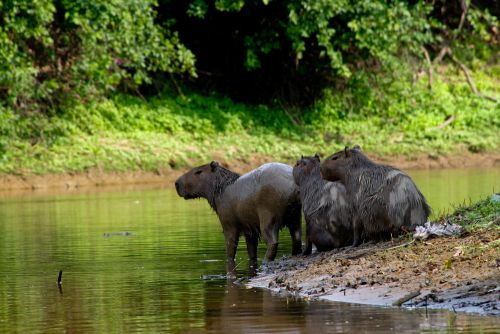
(178, 187)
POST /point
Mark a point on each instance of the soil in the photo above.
(98, 178)
(459, 274)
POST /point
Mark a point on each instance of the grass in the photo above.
(482, 215)
(124, 133)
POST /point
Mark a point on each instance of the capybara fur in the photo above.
(256, 204)
(325, 207)
(384, 200)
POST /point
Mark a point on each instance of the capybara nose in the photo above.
(177, 185)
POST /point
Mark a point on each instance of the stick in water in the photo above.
(59, 278)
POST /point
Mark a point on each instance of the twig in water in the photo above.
(406, 298)
(426, 315)
(59, 278)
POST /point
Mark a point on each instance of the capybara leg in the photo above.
(270, 230)
(292, 219)
(295, 233)
(358, 231)
(309, 245)
(308, 249)
(272, 249)
(252, 242)
(231, 238)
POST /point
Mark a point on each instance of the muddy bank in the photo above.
(98, 178)
(459, 274)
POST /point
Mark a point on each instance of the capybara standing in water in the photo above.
(384, 199)
(325, 207)
(255, 204)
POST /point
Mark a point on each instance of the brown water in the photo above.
(157, 279)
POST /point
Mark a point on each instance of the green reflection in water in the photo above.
(150, 281)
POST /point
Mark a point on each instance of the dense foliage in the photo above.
(127, 84)
(128, 133)
(54, 51)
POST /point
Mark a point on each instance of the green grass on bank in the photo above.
(126, 133)
(482, 215)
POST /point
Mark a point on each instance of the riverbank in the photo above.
(461, 274)
(100, 178)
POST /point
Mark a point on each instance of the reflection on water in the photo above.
(445, 189)
(134, 261)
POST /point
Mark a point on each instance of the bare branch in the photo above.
(446, 51)
(429, 66)
(446, 122)
(441, 54)
(466, 72)
(463, 16)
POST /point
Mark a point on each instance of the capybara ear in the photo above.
(357, 148)
(214, 164)
(301, 157)
(347, 152)
(317, 157)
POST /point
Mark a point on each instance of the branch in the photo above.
(463, 16)
(446, 51)
(441, 54)
(466, 72)
(446, 122)
(429, 66)
(177, 88)
(295, 120)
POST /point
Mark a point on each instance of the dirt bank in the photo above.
(97, 178)
(460, 274)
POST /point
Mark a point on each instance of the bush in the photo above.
(52, 51)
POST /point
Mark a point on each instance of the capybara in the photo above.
(325, 207)
(255, 204)
(384, 200)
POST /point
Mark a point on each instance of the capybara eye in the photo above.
(335, 157)
(198, 172)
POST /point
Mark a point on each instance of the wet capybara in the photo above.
(384, 200)
(325, 207)
(255, 204)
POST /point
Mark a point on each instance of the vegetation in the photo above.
(482, 215)
(128, 84)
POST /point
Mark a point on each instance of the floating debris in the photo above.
(210, 260)
(213, 277)
(439, 230)
(117, 234)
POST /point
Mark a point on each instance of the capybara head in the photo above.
(198, 182)
(336, 166)
(304, 167)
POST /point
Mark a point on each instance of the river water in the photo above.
(145, 260)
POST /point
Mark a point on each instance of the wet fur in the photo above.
(257, 204)
(325, 207)
(384, 200)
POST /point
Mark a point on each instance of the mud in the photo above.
(459, 274)
(99, 178)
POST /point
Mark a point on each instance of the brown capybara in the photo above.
(384, 200)
(325, 207)
(255, 204)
